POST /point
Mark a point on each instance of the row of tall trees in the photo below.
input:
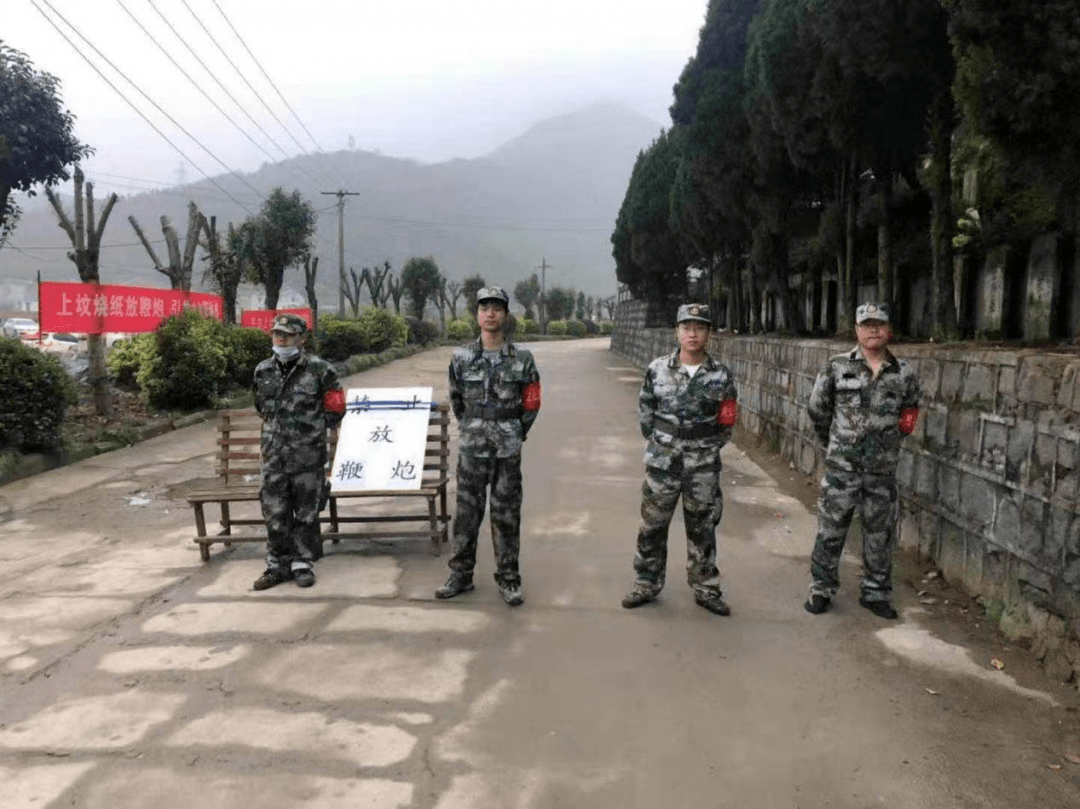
(817, 139)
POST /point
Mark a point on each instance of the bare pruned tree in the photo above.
(311, 268)
(178, 270)
(85, 234)
(375, 277)
(224, 270)
(395, 290)
(451, 292)
(351, 289)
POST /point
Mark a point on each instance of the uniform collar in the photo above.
(708, 363)
(507, 349)
(890, 359)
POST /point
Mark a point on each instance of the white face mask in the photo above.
(286, 352)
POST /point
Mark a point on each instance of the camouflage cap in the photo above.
(694, 311)
(289, 324)
(493, 294)
(872, 311)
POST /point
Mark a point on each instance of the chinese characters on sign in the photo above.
(264, 318)
(382, 440)
(100, 308)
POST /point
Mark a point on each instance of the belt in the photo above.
(493, 412)
(691, 431)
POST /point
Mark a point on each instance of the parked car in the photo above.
(18, 326)
(58, 343)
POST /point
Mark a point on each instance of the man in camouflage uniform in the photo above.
(495, 394)
(299, 398)
(863, 403)
(686, 408)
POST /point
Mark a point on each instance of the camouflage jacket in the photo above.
(856, 416)
(672, 399)
(475, 382)
(289, 397)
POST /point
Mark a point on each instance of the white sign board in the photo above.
(382, 439)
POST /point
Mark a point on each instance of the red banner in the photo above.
(100, 308)
(264, 318)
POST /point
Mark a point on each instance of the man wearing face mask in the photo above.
(299, 398)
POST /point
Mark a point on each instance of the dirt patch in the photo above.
(84, 428)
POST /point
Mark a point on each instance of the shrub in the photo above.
(381, 328)
(188, 365)
(576, 328)
(246, 348)
(126, 357)
(37, 391)
(557, 327)
(460, 329)
(607, 327)
(590, 326)
(527, 326)
(422, 332)
(340, 339)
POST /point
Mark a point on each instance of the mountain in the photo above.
(550, 194)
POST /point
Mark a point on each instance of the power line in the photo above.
(125, 98)
(266, 75)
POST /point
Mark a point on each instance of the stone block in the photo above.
(1006, 386)
(995, 439)
(929, 379)
(948, 485)
(908, 530)
(963, 434)
(1015, 627)
(925, 477)
(1045, 450)
(1021, 440)
(905, 472)
(980, 385)
(1006, 530)
(1067, 387)
(1034, 525)
(1037, 382)
(936, 426)
(973, 572)
(952, 553)
(977, 499)
(952, 378)
(1043, 282)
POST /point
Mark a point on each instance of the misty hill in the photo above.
(551, 193)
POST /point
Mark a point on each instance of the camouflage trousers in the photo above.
(876, 499)
(703, 505)
(290, 506)
(474, 476)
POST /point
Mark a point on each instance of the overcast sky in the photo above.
(424, 79)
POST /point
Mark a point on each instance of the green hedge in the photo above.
(528, 326)
(576, 328)
(126, 357)
(607, 327)
(462, 329)
(246, 348)
(558, 327)
(189, 365)
(37, 391)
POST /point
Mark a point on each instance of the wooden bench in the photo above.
(239, 482)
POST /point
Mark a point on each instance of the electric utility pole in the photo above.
(341, 243)
(543, 295)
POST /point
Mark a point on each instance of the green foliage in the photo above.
(527, 293)
(340, 339)
(461, 329)
(382, 329)
(560, 303)
(246, 348)
(607, 327)
(575, 328)
(422, 332)
(527, 325)
(126, 357)
(558, 327)
(469, 287)
(37, 136)
(421, 280)
(278, 238)
(189, 365)
(37, 391)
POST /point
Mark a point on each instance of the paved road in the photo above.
(134, 675)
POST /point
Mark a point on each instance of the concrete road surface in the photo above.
(136, 676)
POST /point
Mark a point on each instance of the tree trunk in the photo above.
(885, 259)
(944, 323)
(845, 306)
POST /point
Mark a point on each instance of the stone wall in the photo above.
(989, 481)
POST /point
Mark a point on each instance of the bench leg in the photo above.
(200, 530)
(433, 521)
(204, 551)
(334, 519)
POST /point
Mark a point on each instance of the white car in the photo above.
(58, 343)
(18, 326)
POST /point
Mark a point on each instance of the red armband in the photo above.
(333, 401)
(530, 397)
(908, 417)
(728, 413)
